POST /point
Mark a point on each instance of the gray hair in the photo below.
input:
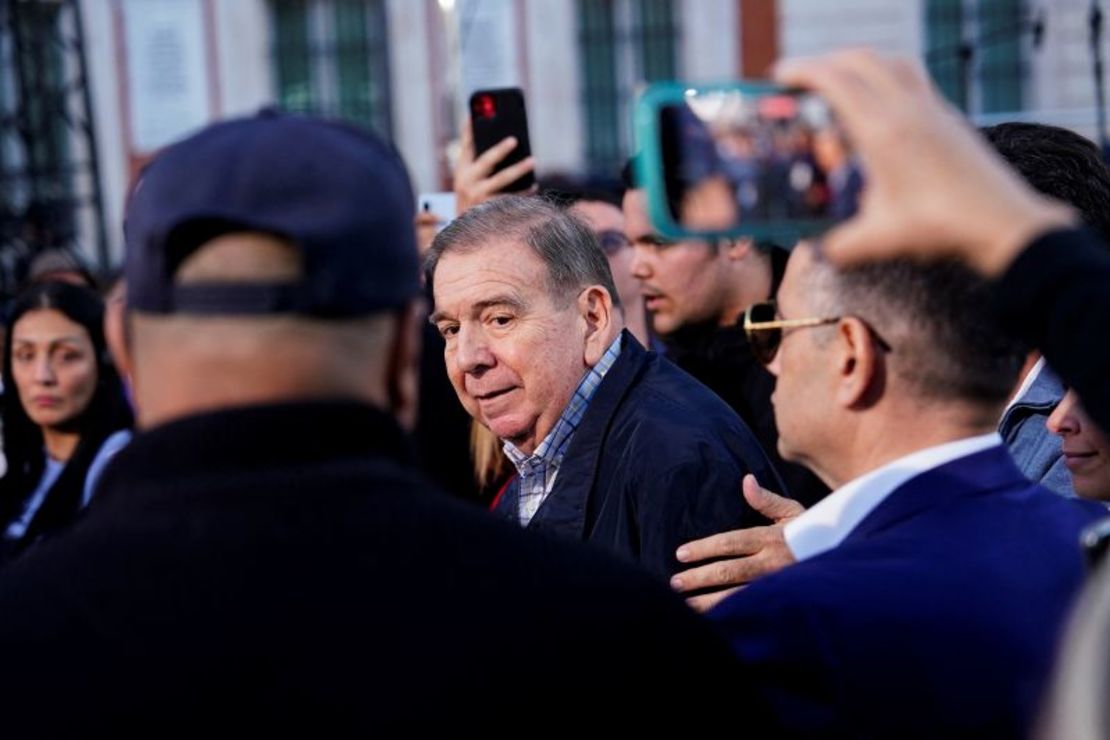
(566, 245)
(948, 343)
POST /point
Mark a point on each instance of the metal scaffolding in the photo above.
(50, 193)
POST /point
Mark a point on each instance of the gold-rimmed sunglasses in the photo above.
(764, 331)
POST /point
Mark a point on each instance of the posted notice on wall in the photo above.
(168, 70)
(488, 44)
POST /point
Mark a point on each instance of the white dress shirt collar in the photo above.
(828, 522)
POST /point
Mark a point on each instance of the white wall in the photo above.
(104, 87)
(243, 49)
(554, 86)
(412, 92)
(817, 26)
(1061, 88)
(710, 45)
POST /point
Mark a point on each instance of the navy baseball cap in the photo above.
(339, 194)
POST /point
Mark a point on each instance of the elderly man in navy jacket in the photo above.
(613, 445)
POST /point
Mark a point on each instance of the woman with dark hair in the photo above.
(64, 411)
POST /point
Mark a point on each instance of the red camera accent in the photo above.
(484, 106)
(778, 106)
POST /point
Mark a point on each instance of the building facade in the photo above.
(158, 69)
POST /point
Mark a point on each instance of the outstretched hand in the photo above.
(933, 187)
(749, 553)
(474, 182)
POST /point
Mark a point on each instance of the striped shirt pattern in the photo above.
(538, 470)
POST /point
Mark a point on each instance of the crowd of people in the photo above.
(311, 466)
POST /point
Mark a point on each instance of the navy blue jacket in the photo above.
(657, 460)
(937, 617)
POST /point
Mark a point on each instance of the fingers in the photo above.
(473, 181)
(870, 94)
(466, 142)
(911, 74)
(850, 96)
(509, 175)
(725, 573)
(860, 239)
(490, 158)
(426, 224)
(426, 218)
(771, 505)
(725, 544)
(705, 602)
(884, 76)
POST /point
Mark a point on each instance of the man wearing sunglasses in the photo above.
(934, 559)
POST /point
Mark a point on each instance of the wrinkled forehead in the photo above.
(470, 272)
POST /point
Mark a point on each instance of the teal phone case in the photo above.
(649, 166)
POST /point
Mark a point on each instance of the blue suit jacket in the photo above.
(937, 617)
(657, 461)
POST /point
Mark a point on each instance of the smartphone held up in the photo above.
(743, 159)
(495, 115)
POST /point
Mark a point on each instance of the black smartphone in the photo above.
(495, 115)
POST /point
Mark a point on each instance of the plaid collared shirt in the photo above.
(538, 470)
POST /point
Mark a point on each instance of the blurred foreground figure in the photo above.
(263, 559)
(1076, 708)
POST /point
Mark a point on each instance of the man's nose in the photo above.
(773, 366)
(1063, 420)
(472, 350)
(641, 262)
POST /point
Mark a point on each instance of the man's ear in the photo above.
(738, 249)
(595, 305)
(862, 369)
(403, 367)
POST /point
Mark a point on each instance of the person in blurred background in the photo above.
(695, 292)
(599, 205)
(1064, 165)
(65, 413)
(59, 265)
(842, 175)
(1086, 449)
